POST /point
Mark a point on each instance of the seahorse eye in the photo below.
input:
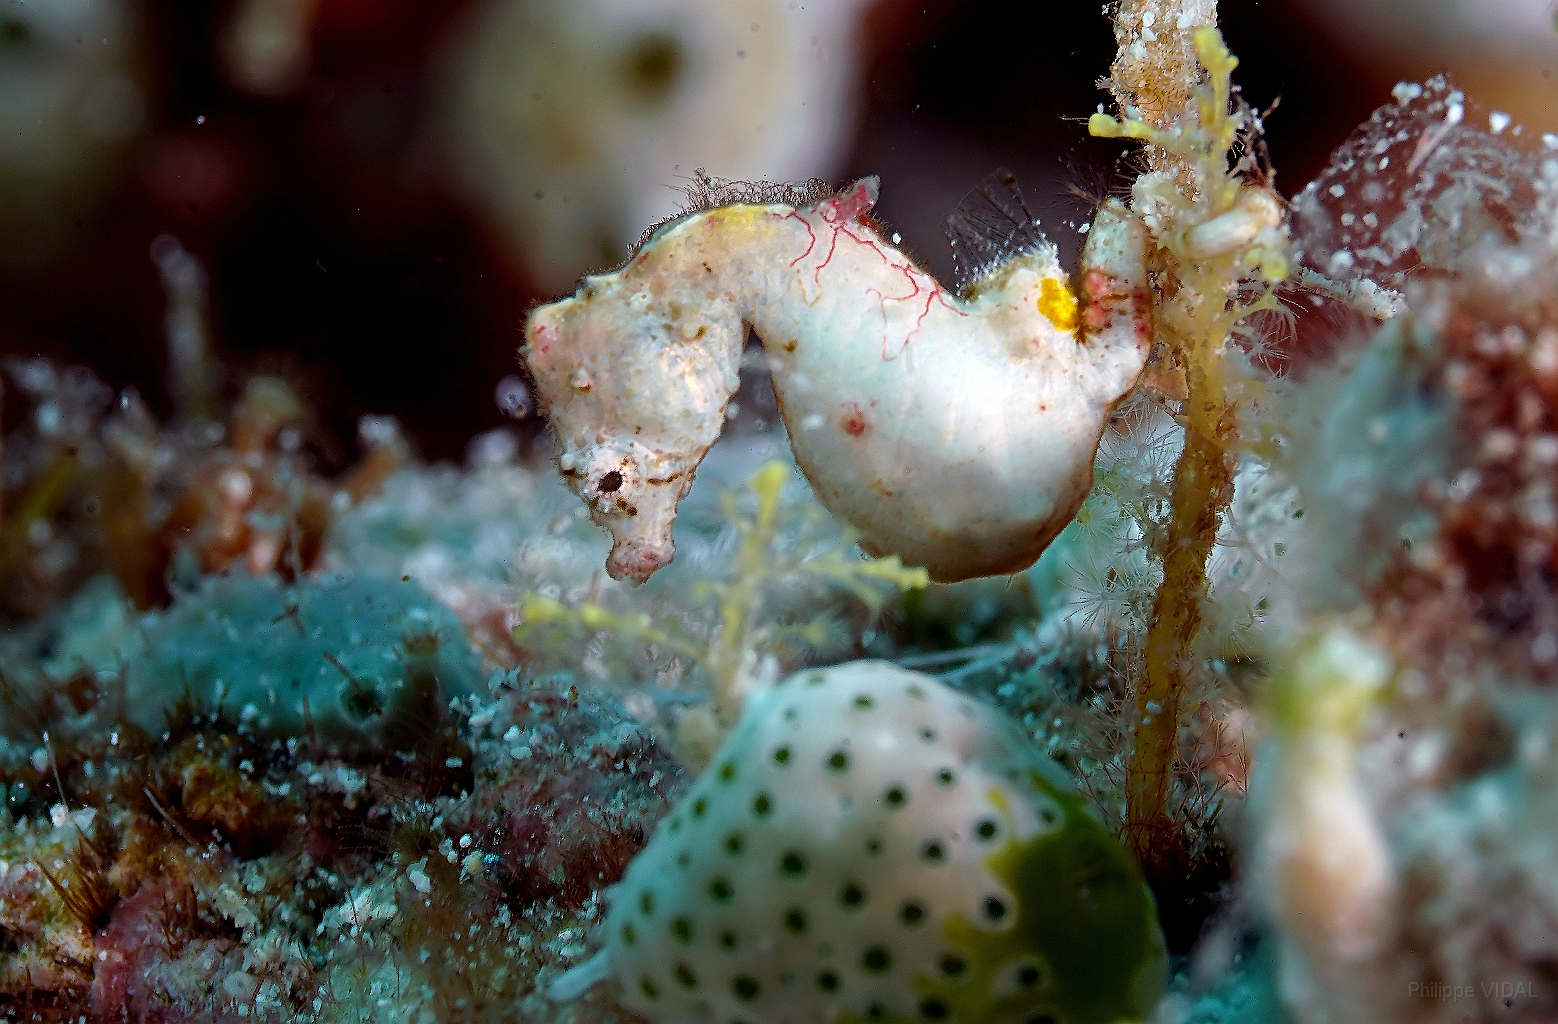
(610, 482)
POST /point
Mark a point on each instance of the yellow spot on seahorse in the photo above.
(1058, 303)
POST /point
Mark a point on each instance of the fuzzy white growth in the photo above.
(956, 432)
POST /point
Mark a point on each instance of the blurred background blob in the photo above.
(569, 126)
(72, 97)
(1504, 52)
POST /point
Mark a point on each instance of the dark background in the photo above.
(339, 256)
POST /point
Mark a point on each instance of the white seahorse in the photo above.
(957, 431)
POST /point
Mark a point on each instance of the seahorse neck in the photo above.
(742, 257)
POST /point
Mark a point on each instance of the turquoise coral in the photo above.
(351, 658)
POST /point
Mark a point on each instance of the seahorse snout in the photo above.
(641, 542)
(631, 491)
(636, 561)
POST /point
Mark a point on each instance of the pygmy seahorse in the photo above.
(957, 431)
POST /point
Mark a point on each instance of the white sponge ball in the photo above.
(870, 844)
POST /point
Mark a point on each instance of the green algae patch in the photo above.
(1083, 946)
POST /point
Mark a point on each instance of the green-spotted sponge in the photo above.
(871, 845)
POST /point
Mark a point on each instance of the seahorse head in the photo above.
(635, 386)
(616, 480)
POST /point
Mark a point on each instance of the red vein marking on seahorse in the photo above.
(833, 244)
(883, 299)
(809, 233)
(835, 212)
(933, 295)
(838, 213)
(839, 216)
(906, 268)
(847, 206)
(843, 228)
(916, 287)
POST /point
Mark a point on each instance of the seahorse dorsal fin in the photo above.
(990, 226)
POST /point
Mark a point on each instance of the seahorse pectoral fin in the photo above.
(989, 227)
